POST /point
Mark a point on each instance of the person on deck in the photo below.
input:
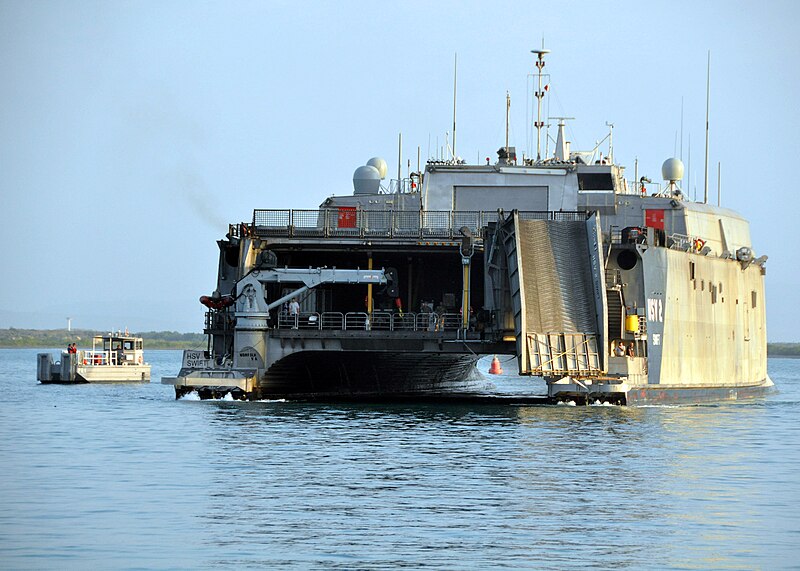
(294, 312)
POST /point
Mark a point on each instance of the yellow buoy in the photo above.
(632, 323)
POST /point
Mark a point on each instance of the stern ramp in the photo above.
(556, 278)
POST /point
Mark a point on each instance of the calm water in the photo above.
(126, 477)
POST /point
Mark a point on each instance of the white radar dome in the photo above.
(379, 164)
(672, 169)
(366, 180)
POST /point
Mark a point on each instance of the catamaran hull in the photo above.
(313, 375)
(567, 390)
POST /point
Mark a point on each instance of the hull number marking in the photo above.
(655, 310)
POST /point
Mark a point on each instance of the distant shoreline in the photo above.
(13, 338)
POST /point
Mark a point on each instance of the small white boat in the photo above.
(114, 358)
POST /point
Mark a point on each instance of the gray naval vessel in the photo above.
(609, 290)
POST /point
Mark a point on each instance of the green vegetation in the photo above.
(783, 349)
(83, 338)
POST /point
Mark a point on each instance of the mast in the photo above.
(455, 85)
(508, 109)
(681, 155)
(399, 160)
(539, 95)
(708, 100)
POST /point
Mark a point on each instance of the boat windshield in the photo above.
(114, 344)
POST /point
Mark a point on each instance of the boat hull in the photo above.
(112, 374)
(620, 392)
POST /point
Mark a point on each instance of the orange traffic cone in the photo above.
(495, 368)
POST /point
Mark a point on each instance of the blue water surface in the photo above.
(125, 477)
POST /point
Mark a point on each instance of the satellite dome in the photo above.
(379, 164)
(366, 180)
(672, 169)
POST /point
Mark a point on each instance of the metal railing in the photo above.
(378, 321)
(352, 222)
(685, 243)
(613, 278)
(635, 187)
(89, 357)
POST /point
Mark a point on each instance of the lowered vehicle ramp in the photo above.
(557, 284)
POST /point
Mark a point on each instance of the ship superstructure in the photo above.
(608, 289)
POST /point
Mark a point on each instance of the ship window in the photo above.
(691, 270)
(128, 345)
(626, 259)
(753, 299)
(139, 345)
(595, 181)
(702, 285)
(713, 290)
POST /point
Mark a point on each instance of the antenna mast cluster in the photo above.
(539, 95)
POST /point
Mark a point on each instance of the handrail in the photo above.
(380, 320)
(353, 222)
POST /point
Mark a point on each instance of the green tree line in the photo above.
(20, 338)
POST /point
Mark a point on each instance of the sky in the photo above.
(133, 132)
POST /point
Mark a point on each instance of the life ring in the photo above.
(699, 243)
(140, 359)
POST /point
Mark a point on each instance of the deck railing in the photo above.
(362, 321)
(351, 222)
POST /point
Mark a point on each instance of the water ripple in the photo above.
(127, 477)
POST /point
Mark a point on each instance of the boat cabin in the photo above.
(115, 349)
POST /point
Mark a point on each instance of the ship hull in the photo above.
(321, 375)
(620, 392)
(660, 395)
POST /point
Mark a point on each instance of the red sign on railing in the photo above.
(347, 217)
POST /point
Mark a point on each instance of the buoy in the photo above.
(495, 368)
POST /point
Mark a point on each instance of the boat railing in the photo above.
(356, 321)
(635, 187)
(686, 243)
(379, 320)
(93, 357)
(353, 222)
(613, 278)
